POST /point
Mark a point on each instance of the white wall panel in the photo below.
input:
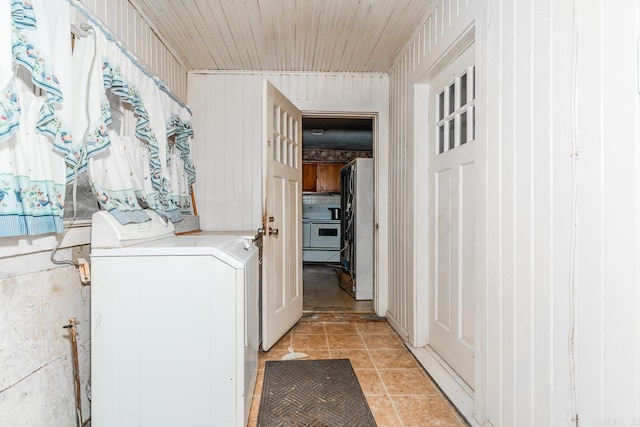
(227, 149)
(607, 110)
(546, 319)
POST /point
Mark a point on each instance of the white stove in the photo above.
(320, 233)
(319, 211)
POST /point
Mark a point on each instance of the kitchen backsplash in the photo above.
(340, 156)
(321, 199)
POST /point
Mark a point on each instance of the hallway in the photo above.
(398, 390)
(323, 294)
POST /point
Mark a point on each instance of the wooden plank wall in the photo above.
(227, 150)
(526, 241)
(558, 235)
(129, 26)
(606, 107)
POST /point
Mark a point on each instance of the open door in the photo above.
(281, 217)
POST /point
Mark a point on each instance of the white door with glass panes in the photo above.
(282, 217)
(452, 214)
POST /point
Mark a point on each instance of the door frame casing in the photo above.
(469, 402)
(375, 120)
(379, 112)
(421, 215)
(451, 192)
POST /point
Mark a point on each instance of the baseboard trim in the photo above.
(397, 326)
(454, 388)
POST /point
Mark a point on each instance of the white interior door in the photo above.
(282, 217)
(452, 217)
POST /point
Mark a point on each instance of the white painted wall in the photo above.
(551, 81)
(227, 146)
(607, 284)
(37, 298)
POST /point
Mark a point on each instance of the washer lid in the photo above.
(107, 232)
(232, 250)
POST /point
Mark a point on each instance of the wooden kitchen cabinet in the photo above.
(321, 177)
(328, 177)
(309, 176)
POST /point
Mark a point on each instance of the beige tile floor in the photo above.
(398, 390)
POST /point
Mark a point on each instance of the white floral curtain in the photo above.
(51, 129)
(181, 170)
(155, 126)
(35, 142)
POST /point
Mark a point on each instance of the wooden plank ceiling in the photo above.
(285, 35)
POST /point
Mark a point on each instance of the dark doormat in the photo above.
(312, 393)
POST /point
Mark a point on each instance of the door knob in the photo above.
(273, 232)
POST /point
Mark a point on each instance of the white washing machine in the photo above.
(174, 324)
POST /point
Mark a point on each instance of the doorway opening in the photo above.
(337, 211)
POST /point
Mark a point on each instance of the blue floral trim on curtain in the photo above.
(181, 130)
(161, 201)
(9, 111)
(22, 17)
(27, 55)
(122, 204)
(22, 14)
(97, 138)
(30, 207)
(178, 132)
(161, 85)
